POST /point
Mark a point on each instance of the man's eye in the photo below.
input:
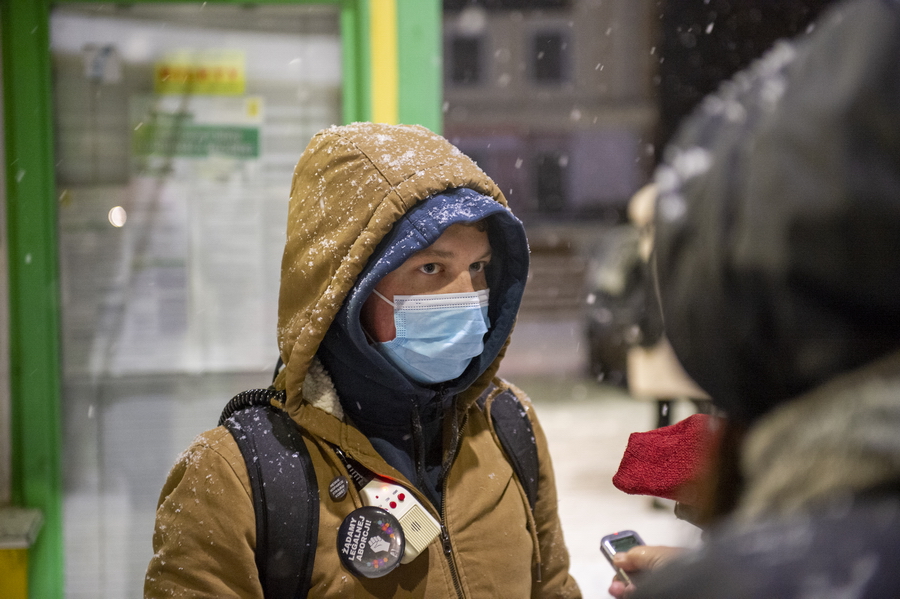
(477, 266)
(429, 269)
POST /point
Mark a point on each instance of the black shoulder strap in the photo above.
(287, 513)
(516, 435)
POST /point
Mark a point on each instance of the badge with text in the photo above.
(370, 542)
(338, 488)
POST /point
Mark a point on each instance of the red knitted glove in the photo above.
(666, 462)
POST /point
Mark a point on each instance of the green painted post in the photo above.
(357, 72)
(33, 284)
(420, 54)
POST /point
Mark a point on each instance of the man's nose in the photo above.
(461, 283)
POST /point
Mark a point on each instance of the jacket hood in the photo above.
(372, 390)
(778, 219)
(350, 188)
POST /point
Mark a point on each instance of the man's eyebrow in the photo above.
(429, 252)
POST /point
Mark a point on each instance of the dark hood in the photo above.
(778, 222)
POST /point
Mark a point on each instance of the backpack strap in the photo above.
(287, 513)
(516, 435)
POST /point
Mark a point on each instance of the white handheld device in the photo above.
(419, 527)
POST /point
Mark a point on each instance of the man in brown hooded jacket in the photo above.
(368, 201)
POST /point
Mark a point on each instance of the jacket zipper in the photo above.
(445, 534)
(448, 553)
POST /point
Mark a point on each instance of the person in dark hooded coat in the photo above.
(778, 253)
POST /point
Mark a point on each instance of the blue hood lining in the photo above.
(379, 399)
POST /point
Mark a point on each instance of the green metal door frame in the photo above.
(34, 332)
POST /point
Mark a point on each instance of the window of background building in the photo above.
(465, 60)
(550, 57)
(550, 181)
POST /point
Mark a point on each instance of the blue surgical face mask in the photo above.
(437, 335)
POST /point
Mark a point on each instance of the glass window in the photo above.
(549, 57)
(550, 175)
(177, 129)
(465, 60)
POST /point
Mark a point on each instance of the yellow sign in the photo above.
(201, 72)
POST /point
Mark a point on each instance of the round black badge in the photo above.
(338, 488)
(370, 542)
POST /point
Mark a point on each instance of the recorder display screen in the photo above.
(624, 544)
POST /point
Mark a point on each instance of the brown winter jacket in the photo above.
(349, 187)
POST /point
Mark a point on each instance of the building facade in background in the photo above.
(555, 99)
